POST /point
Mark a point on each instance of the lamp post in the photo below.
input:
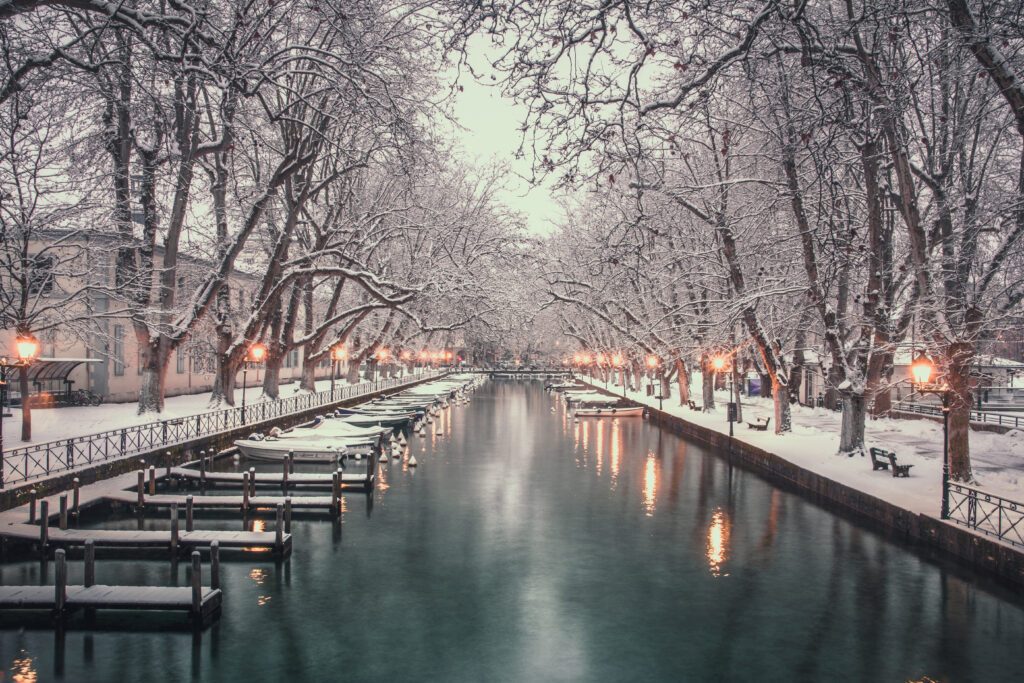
(653, 362)
(257, 353)
(26, 348)
(921, 370)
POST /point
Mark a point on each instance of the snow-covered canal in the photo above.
(527, 548)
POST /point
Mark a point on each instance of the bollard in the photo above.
(215, 565)
(197, 584)
(252, 481)
(202, 466)
(174, 528)
(167, 461)
(291, 462)
(189, 505)
(60, 586)
(63, 512)
(245, 491)
(90, 563)
(335, 486)
(152, 480)
(44, 524)
(142, 489)
(32, 507)
(279, 529)
(75, 497)
(288, 515)
(284, 475)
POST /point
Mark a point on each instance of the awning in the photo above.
(46, 369)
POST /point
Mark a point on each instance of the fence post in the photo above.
(152, 480)
(75, 496)
(70, 457)
(32, 506)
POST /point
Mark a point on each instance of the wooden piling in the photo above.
(284, 475)
(152, 480)
(90, 563)
(174, 528)
(291, 462)
(32, 507)
(167, 463)
(142, 489)
(60, 586)
(75, 496)
(245, 491)
(44, 524)
(215, 565)
(335, 493)
(279, 529)
(202, 467)
(252, 481)
(63, 512)
(197, 584)
(189, 504)
(288, 515)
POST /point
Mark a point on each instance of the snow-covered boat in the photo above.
(377, 419)
(610, 411)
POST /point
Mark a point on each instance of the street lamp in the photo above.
(257, 353)
(653, 362)
(338, 353)
(921, 371)
(26, 348)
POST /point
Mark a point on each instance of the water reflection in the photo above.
(259, 525)
(258, 575)
(23, 668)
(616, 452)
(650, 483)
(600, 445)
(718, 542)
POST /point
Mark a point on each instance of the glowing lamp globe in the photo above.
(257, 353)
(922, 368)
(652, 361)
(27, 347)
(718, 363)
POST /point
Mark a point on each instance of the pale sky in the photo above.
(492, 133)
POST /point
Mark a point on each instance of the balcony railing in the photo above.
(42, 459)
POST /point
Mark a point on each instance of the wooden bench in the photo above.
(760, 424)
(879, 456)
(694, 406)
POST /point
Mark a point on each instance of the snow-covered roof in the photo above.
(903, 358)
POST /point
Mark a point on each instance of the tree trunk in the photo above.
(851, 432)
(783, 419)
(835, 378)
(307, 380)
(961, 355)
(26, 406)
(224, 382)
(708, 391)
(352, 371)
(151, 387)
(683, 380)
(879, 374)
(736, 382)
(272, 376)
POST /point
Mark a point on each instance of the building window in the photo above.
(40, 277)
(118, 350)
(179, 359)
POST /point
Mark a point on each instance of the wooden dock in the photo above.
(309, 480)
(166, 500)
(47, 536)
(60, 599)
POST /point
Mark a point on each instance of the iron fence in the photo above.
(988, 513)
(48, 458)
(976, 415)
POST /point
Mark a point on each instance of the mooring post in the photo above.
(252, 480)
(60, 586)
(288, 515)
(197, 583)
(167, 462)
(245, 491)
(90, 562)
(63, 512)
(189, 504)
(174, 528)
(291, 462)
(75, 496)
(284, 475)
(335, 493)
(279, 529)
(202, 467)
(32, 506)
(215, 565)
(152, 480)
(142, 489)
(44, 524)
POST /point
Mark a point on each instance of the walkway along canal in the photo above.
(527, 546)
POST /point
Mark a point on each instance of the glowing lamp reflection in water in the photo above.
(718, 543)
(650, 484)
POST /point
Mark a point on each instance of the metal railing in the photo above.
(976, 415)
(50, 457)
(988, 513)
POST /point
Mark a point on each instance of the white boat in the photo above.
(303, 450)
(610, 411)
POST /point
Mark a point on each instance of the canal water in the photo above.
(526, 547)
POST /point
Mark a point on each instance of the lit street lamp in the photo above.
(338, 353)
(257, 353)
(27, 349)
(921, 371)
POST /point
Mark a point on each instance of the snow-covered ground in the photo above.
(997, 459)
(61, 423)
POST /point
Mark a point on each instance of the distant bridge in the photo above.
(517, 373)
